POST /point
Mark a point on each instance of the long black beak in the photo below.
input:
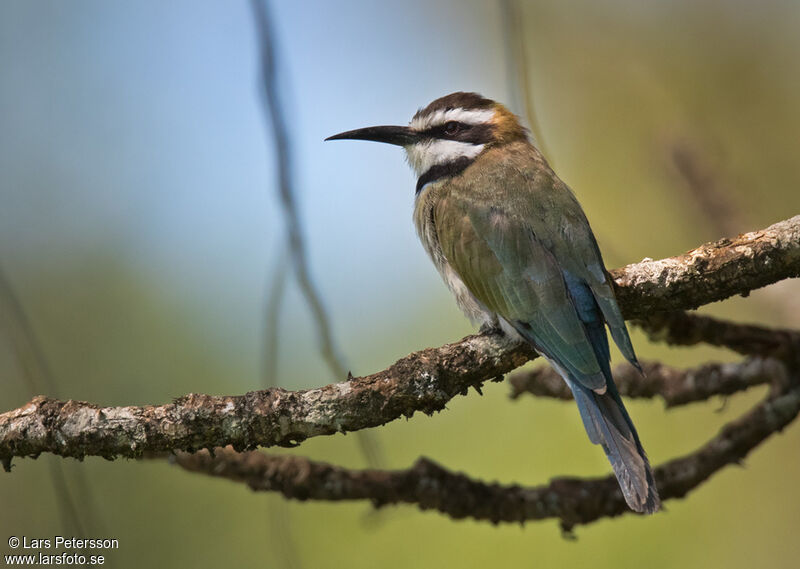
(399, 135)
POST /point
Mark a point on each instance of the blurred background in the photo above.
(140, 231)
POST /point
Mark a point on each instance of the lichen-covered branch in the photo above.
(711, 272)
(423, 381)
(674, 386)
(573, 501)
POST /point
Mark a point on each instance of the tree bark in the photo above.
(423, 381)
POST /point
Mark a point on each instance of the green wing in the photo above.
(508, 269)
(576, 251)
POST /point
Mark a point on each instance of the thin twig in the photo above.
(38, 376)
(680, 328)
(273, 109)
(724, 215)
(278, 514)
(280, 134)
(33, 363)
(272, 312)
(716, 203)
(520, 73)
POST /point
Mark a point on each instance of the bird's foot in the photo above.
(491, 328)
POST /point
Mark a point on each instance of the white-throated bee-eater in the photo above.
(514, 246)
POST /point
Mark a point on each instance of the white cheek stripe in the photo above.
(423, 155)
(457, 115)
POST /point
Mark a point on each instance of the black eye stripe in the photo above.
(439, 131)
(473, 133)
(453, 127)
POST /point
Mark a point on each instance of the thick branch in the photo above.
(711, 272)
(675, 386)
(423, 381)
(432, 487)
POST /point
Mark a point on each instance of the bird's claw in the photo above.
(492, 328)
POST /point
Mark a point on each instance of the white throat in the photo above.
(423, 155)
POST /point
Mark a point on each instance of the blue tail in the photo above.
(604, 415)
(607, 423)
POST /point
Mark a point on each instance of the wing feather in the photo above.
(503, 264)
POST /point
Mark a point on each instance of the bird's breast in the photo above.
(425, 207)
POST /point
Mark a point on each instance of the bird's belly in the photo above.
(469, 305)
(426, 230)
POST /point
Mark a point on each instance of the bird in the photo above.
(515, 248)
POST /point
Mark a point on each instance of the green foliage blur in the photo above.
(619, 88)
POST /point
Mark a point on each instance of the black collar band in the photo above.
(445, 170)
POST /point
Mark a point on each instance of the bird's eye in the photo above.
(452, 128)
